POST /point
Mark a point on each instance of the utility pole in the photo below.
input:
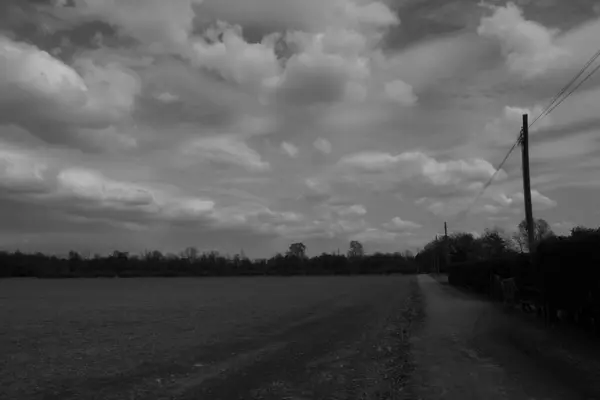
(526, 183)
(446, 246)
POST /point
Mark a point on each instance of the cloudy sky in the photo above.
(251, 124)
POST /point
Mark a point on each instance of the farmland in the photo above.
(301, 337)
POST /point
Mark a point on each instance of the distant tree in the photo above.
(74, 256)
(494, 243)
(356, 249)
(463, 246)
(519, 241)
(582, 231)
(297, 250)
(120, 255)
(408, 255)
(541, 231)
(190, 253)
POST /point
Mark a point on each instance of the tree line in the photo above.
(558, 276)
(191, 262)
(494, 243)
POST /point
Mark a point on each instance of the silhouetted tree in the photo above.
(297, 250)
(541, 231)
(356, 249)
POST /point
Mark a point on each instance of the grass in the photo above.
(56, 334)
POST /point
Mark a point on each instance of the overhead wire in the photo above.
(575, 88)
(566, 87)
(549, 108)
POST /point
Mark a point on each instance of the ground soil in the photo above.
(384, 337)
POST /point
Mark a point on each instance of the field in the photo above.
(300, 337)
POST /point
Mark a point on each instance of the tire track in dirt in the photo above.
(354, 352)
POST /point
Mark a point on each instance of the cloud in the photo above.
(385, 171)
(504, 131)
(53, 100)
(308, 15)
(166, 97)
(91, 185)
(249, 64)
(580, 42)
(400, 92)
(225, 150)
(321, 72)
(21, 171)
(375, 235)
(323, 145)
(186, 208)
(349, 210)
(446, 207)
(289, 149)
(570, 147)
(161, 26)
(397, 224)
(528, 46)
(503, 203)
(538, 200)
(514, 202)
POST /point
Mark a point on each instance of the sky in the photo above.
(248, 125)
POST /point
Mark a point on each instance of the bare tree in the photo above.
(356, 249)
(519, 241)
(541, 231)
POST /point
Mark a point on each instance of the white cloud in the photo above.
(250, 64)
(570, 147)
(504, 131)
(92, 185)
(398, 224)
(323, 145)
(20, 170)
(400, 92)
(580, 42)
(166, 97)
(516, 200)
(445, 208)
(538, 200)
(306, 15)
(352, 210)
(320, 74)
(185, 208)
(374, 235)
(386, 171)
(225, 149)
(528, 46)
(290, 149)
(163, 26)
(51, 99)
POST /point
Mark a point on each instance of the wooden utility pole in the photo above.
(446, 246)
(526, 183)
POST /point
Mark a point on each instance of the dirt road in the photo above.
(460, 352)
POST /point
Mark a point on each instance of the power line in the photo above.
(575, 88)
(566, 87)
(549, 108)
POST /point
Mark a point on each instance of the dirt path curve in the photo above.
(460, 353)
